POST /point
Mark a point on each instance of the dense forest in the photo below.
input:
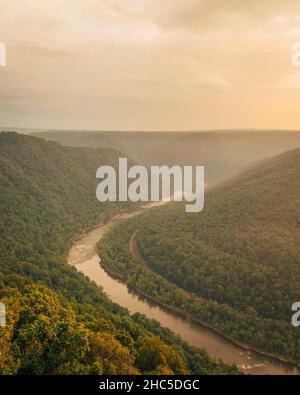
(235, 266)
(58, 322)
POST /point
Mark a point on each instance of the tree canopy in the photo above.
(58, 322)
(236, 265)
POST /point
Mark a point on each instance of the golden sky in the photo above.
(150, 64)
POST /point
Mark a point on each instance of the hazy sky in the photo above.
(150, 64)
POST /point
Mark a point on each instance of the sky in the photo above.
(150, 64)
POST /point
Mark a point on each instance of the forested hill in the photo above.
(223, 153)
(58, 321)
(242, 252)
(244, 248)
(50, 190)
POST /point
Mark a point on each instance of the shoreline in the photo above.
(118, 217)
(191, 318)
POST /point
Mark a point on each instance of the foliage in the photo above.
(236, 265)
(58, 322)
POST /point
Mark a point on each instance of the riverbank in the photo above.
(190, 317)
(192, 330)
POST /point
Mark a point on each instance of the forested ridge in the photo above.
(238, 259)
(58, 322)
(224, 153)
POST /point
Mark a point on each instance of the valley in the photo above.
(224, 153)
(58, 322)
(150, 289)
(234, 266)
(84, 256)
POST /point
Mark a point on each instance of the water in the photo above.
(84, 256)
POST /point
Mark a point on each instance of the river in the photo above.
(84, 256)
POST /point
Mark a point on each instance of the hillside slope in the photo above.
(224, 153)
(244, 248)
(240, 257)
(57, 321)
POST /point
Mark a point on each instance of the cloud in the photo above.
(89, 63)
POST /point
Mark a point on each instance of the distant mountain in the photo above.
(224, 153)
(21, 130)
(58, 322)
(240, 256)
